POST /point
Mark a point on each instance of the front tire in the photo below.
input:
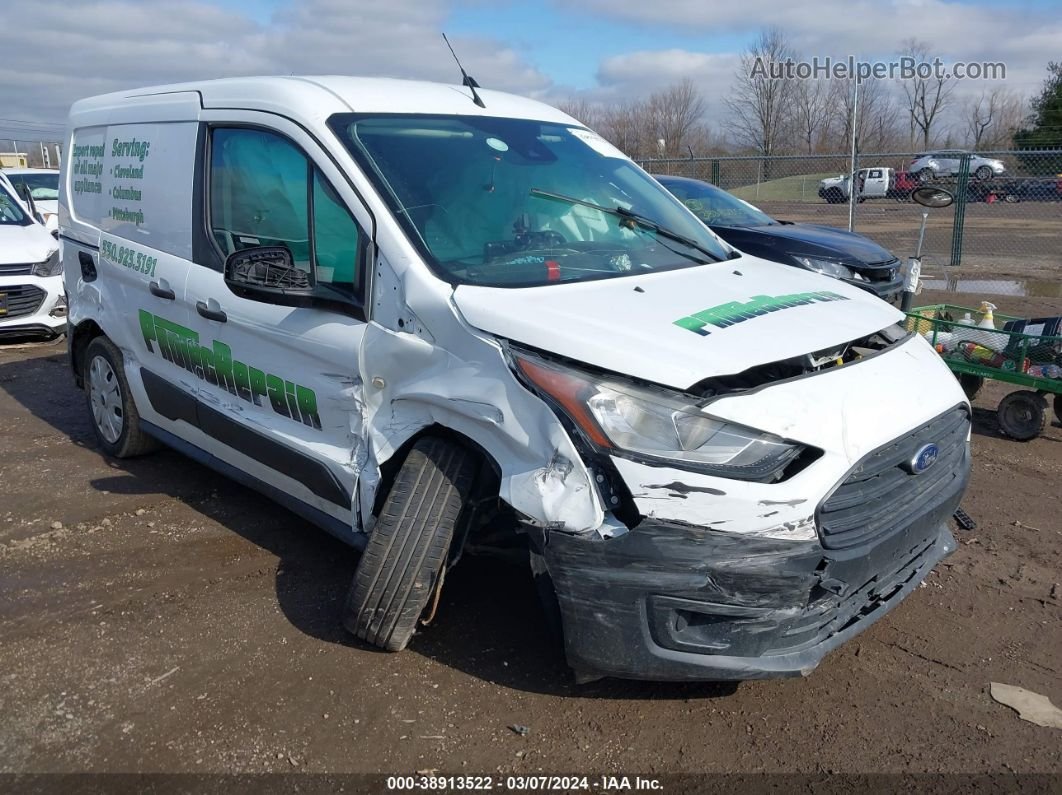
(407, 550)
(115, 419)
(983, 173)
(925, 175)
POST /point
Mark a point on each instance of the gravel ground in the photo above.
(156, 617)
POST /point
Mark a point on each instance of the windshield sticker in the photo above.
(596, 142)
(728, 314)
(215, 365)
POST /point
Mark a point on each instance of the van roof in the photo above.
(318, 97)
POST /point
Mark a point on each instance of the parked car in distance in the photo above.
(43, 185)
(947, 162)
(32, 299)
(873, 183)
(834, 252)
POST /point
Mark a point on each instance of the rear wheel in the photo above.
(114, 416)
(406, 553)
(1022, 415)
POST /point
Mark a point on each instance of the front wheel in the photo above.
(114, 416)
(925, 175)
(1022, 415)
(1058, 407)
(983, 173)
(406, 553)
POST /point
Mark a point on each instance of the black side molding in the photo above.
(176, 404)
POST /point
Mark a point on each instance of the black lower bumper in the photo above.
(675, 602)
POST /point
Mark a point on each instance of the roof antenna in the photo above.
(466, 80)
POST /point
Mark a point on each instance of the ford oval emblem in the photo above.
(925, 458)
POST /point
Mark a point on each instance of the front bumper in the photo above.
(36, 305)
(669, 601)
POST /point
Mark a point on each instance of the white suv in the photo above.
(32, 299)
(944, 163)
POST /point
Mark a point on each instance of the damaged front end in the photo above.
(705, 573)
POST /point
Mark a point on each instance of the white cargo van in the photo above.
(408, 317)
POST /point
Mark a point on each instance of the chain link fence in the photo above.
(1003, 238)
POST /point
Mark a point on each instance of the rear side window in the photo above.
(264, 191)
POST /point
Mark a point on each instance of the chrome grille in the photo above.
(22, 300)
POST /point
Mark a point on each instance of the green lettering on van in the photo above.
(180, 345)
(728, 314)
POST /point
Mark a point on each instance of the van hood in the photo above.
(25, 244)
(677, 328)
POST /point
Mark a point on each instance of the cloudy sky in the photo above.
(56, 51)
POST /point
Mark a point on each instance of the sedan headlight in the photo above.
(656, 425)
(52, 266)
(828, 267)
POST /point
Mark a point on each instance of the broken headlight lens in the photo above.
(52, 266)
(656, 424)
(828, 267)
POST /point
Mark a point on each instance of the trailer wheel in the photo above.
(971, 384)
(1058, 407)
(407, 550)
(1022, 415)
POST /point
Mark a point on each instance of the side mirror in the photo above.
(268, 274)
(929, 196)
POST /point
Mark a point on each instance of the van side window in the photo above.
(264, 191)
(258, 193)
(336, 239)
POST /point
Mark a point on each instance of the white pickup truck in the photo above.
(873, 183)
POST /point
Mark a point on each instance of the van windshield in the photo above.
(516, 202)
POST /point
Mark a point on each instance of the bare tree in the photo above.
(624, 126)
(811, 112)
(673, 113)
(990, 119)
(926, 96)
(875, 119)
(583, 110)
(759, 103)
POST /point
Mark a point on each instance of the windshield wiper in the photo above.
(635, 219)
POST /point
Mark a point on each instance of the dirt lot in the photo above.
(156, 617)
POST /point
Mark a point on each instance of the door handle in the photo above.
(210, 314)
(88, 267)
(161, 292)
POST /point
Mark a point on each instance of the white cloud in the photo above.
(60, 52)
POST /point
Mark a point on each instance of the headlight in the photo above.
(828, 268)
(52, 266)
(657, 425)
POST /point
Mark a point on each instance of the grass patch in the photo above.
(803, 187)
